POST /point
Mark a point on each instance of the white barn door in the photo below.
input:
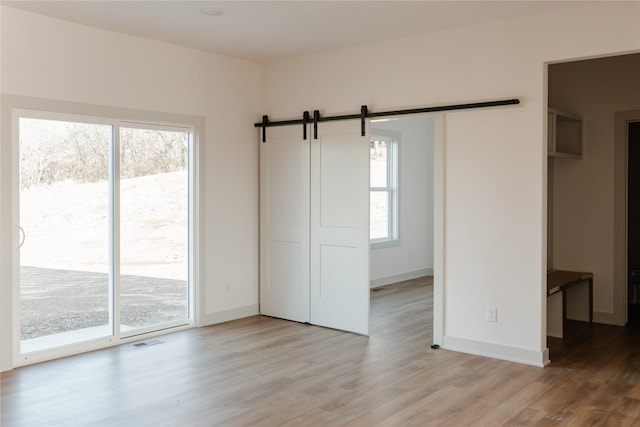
(284, 224)
(314, 226)
(340, 227)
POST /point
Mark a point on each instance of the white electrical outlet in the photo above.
(492, 314)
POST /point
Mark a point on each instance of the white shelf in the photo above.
(564, 135)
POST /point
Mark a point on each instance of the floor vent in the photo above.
(147, 343)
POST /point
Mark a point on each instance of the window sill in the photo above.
(380, 244)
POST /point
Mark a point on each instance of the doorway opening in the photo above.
(587, 222)
(402, 209)
(633, 223)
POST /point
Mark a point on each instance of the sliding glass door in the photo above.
(102, 231)
(154, 227)
(63, 232)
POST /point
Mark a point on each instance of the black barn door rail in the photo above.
(364, 113)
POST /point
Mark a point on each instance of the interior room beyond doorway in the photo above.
(409, 253)
(586, 193)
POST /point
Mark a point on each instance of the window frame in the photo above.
(392, 138)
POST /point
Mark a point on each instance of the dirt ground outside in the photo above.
(55, 301)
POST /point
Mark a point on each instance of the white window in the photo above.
(383, 228)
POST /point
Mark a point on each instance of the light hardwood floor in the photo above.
(262, 371)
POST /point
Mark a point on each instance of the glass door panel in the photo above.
(64, 230)
(154, 228)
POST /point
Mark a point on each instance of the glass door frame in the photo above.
(116, 337)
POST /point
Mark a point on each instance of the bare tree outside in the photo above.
(51, 152)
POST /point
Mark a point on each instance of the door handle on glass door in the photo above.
(24, 236)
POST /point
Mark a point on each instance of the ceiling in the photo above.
(269, 30)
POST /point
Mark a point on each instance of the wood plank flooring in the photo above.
(262, 371)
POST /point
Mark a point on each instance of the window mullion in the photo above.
(114, 236)
(390, 215)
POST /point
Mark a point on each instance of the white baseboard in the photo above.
(605, 317)
(228, 315)
(383, 281)
(497, 351)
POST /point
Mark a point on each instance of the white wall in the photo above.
(584, 189)
(48, 58)
(495, 159)
(413, 257)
